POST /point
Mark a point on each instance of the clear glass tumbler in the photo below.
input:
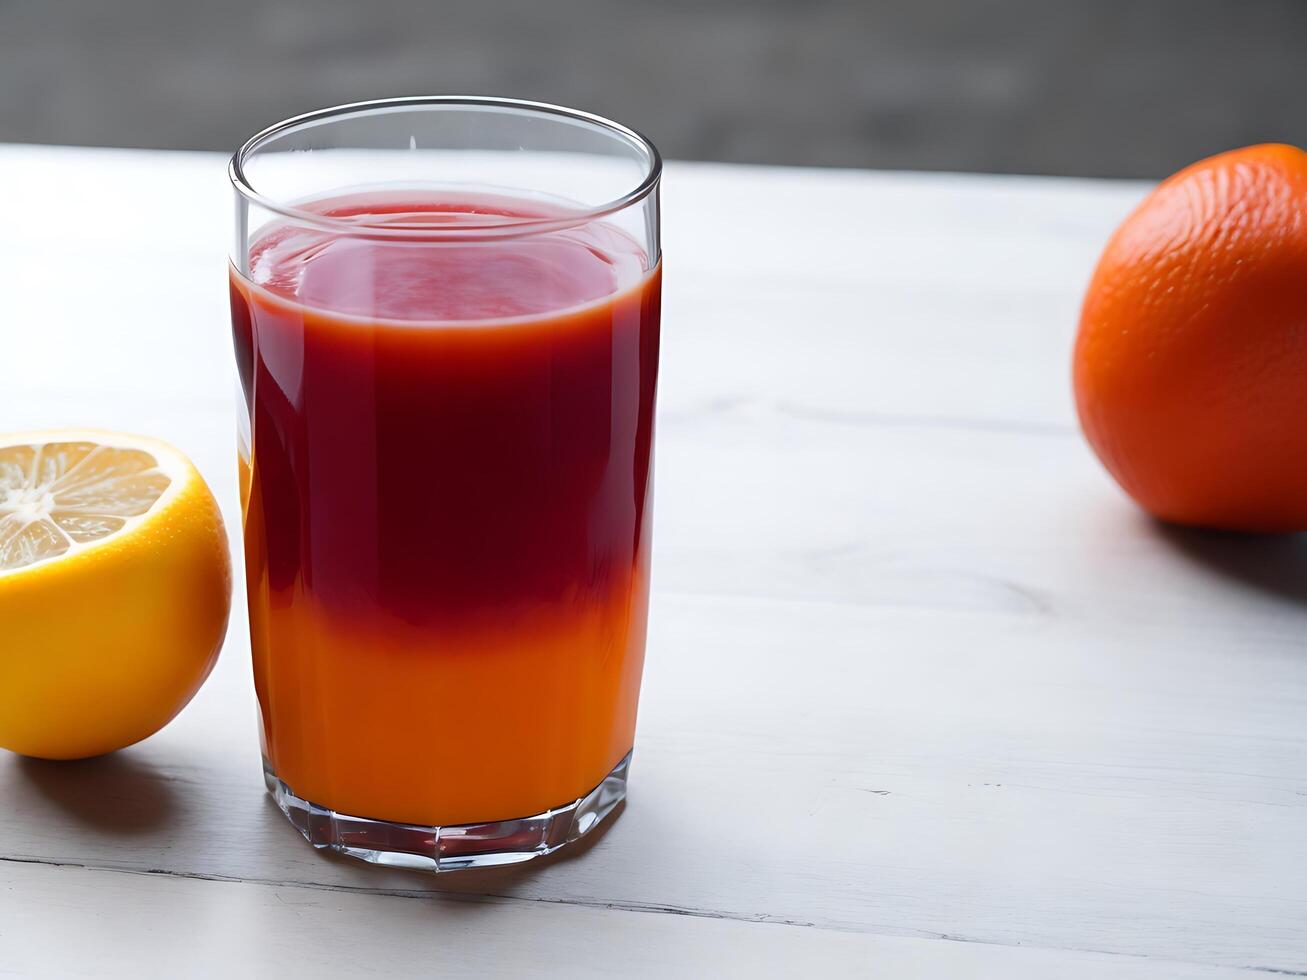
(446, 320)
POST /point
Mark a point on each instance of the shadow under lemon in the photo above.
(116, 794)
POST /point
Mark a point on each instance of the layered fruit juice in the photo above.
(446, 486)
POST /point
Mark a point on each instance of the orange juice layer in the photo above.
(437, 727)
(446, 510)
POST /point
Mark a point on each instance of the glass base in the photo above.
(452, 848)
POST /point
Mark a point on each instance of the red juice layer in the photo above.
(447, 515)
(434, 281)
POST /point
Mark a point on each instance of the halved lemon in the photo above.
(115, 587)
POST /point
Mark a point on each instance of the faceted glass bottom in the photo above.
(452, 848)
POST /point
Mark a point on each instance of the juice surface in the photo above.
(446, 508)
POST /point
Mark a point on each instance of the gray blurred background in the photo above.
(1122, 88)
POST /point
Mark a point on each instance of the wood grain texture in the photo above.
(160, 926)
(920, 681)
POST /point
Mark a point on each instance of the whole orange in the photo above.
(1191, 361)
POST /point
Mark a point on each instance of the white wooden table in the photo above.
(925, 695)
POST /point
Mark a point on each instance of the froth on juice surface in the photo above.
(447, 505)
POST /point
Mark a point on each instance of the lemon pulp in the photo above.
(59, 496)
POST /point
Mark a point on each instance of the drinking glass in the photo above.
(446, 318)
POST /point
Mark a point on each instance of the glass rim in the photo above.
(500, 227)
